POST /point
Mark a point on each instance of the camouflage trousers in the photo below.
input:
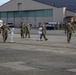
(69, 35)
(43, 35)
(27, 33)
(22, 34)
(5, 35)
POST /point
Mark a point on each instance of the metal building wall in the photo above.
(33, 17)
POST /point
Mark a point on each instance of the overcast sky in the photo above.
(3, 1)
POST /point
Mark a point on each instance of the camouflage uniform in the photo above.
(73, 27)
(43, 33)
(5, 29)
(22, 27)
(27, 32)
(69, 32)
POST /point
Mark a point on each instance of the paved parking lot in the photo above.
(31, 57)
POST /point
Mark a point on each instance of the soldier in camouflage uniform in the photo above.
(69, 32)
(4, 30)
(22, 29)
(43, 33)
(27, 32)
(65, 27)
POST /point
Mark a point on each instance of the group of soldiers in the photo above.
(68, 27)
(25, 31)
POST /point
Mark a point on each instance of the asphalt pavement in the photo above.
(27, 56)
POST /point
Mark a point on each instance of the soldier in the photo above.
(69, 32)
(27, 32)
(5, 29)
(43, 33)
(22, 28)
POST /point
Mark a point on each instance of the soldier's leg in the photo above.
(70, 36)
(41, 36)
(21, 34)
(65, 31)
(73, 29)
(45, 37)
(28, 34)
(67, 37)
(4, 37)
(25, 35)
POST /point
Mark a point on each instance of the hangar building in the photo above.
(33, 12)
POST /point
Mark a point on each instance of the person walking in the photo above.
(43, 34)
(39, 32)
(22, 29)
(27, 30)
(70, 30)
(4, 30)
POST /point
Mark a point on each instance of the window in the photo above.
(24, 14)
(18, 14)
(10, 14)
(3, 14)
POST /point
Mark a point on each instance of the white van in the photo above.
(1, 23)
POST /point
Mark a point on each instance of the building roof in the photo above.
(69, 4)
(25, 5)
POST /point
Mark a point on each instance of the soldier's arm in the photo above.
(29, 27)
(72, 29)
(8, 28)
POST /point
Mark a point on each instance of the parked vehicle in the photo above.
(10, 25)
(51, 25)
